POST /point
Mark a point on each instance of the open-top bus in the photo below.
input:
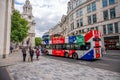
(84, 46)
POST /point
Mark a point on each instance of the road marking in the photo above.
(112, 59)
(103, 64)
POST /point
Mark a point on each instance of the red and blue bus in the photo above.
(84, 46)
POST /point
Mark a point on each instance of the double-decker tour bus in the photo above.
(84, 46)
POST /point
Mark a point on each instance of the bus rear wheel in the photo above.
(66, 55)
(75, 56)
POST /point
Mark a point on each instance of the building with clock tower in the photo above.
(27, 14)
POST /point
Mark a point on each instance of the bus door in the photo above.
(97, 47)
(97, 52)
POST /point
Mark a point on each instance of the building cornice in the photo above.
(81, 6)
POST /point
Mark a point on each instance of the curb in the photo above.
(11, 77)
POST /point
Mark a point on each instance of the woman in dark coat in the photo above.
(31, 51)
(24, 53)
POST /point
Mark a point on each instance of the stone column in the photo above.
(5, 26)
(2, 24)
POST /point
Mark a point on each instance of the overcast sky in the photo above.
(47, 13)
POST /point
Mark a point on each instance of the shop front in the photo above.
(112, 43)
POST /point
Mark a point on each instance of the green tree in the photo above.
(38, 41)
(19, 29)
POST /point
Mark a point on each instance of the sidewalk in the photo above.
(11, 59)
(113, 52)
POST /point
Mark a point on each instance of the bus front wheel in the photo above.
(75, 56)
(66, 55)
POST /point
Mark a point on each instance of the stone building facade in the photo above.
(64, 25)
(6, 7)
(56, 29)
(27, 14)
(103, 15)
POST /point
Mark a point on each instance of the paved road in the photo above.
(109, 61)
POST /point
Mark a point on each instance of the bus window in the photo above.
(72, 46)
(53, 46)
(76, 47)
(82, 47)
(50, 46)
(67, 46)
(96, 39)
(63, 46)
(50, 37)
(60, 46)
(57, 47)
(87, 46)
(47, 46)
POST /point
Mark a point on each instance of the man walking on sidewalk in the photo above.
(11, 49)
(31, 52)
(24, 53)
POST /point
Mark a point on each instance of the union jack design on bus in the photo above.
(85, 46)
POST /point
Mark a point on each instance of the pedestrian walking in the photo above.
(103, 50)
(41, 50)
(24, 53)
(31, 52)
(11, 49)
(37, 53)
(16, 48)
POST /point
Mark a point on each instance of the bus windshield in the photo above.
(96, 39)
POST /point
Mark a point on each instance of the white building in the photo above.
(56, 29)
(103, 15)
(64, 25)
(27, 14)
(5, 25)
